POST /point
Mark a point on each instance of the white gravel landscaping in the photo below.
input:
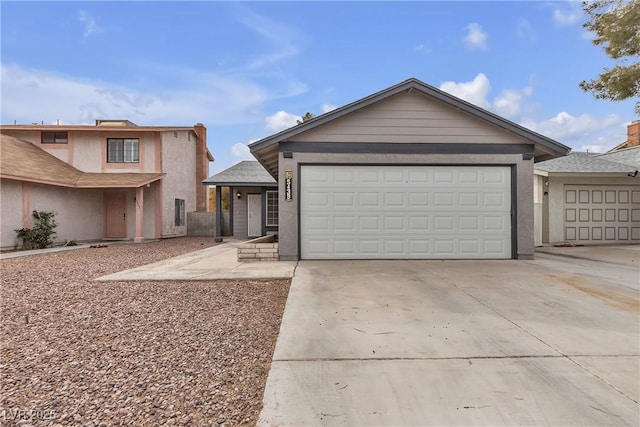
(87, 353)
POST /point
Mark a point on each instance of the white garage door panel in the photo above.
(397, 212)
(601, 213)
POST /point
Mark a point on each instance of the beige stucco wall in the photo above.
(149, 213)
(288, 214)
(87, 151)
(79, 212)
(10, 211)
(179, 163)
(556, 199)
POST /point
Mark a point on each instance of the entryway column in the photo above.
(218, 237)
(139, 212)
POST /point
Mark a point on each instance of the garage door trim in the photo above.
(513, 184)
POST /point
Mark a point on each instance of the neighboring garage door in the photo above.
(397, 212)
(601, 213)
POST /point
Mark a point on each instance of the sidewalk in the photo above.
(214, 263)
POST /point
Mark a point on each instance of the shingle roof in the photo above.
(245, 173)
(628, 156)
(23, 161)
(616, 162)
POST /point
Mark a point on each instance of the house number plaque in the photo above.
(288, 185)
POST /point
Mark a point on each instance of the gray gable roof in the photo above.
(247, 173)
(628, 156)
(264, 152)
(593, 162)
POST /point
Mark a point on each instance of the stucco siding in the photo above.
(10, 211)
(87, 151)
(79, 212)
(179, 163)
(149, 213)
(409, 118)
(288, 214)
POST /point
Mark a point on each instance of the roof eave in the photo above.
(240, 184)
(555, 148)
(585, 174)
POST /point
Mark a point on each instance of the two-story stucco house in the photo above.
(111, 180)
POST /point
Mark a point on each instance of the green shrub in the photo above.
(41, 235)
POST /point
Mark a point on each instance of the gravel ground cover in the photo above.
(79, 352)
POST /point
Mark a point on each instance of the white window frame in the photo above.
(266, 207)
(127, 150)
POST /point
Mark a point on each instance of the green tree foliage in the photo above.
(41, 234)
(616, 25)
(212, 198)
(308, 116)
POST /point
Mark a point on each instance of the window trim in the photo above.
(266, 208)
(133, 150)
(58, 137)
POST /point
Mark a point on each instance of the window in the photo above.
(123, 150)
(272, 208)
(54, 137)
(179, 222)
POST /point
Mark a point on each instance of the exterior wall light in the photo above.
(238, 195)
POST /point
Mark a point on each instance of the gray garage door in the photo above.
(601, 213)
(398, 212)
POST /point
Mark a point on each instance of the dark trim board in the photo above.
(514, 212)
(403, 148)
(513, 182)
(241, 184)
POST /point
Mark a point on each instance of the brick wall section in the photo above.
(633, 134)
(260, 249)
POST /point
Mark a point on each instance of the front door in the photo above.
(254, 212)
(115, 215)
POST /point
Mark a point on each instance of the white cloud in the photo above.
(475, 91)
(588, 35)
(525, 30)
(476, 38)
(590, 148)
(281, 120)
(509, 103)
(328, 107)
(581, 132)
(241, 151)
(214, 100)
(280, 37)
(564, 17)
(89, 23)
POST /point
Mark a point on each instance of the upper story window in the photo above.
(123, 150)
(54, 137)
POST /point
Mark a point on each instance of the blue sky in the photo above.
(248, 70)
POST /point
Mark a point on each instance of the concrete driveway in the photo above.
(554, 341)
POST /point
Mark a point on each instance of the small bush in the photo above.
(41, 235)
